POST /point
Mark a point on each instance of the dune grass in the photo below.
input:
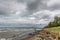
(53, 29)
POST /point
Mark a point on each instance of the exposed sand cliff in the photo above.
(43, 35)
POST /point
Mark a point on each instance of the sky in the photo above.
(28, 11)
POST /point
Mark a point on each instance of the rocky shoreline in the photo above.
(43, 35)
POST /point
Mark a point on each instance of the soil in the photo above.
(43, 35)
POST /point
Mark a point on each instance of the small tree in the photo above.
(55, 23)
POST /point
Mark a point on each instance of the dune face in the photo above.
(43, 35)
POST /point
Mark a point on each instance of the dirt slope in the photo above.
(43, 35)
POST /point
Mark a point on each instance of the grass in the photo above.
(57, 29)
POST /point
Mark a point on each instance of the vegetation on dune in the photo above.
(55, 23)
(56, 29)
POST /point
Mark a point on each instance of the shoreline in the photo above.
(42, 34)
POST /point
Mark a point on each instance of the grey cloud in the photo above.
(52, 5)
(45, 16)
(55, 7)
(4, 11)
(4, 8)
(34, 6)
(41, 15)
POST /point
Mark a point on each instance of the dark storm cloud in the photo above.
(34, 6)
(4, 12)
(4, 8)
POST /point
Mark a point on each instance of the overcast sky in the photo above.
(29, 11)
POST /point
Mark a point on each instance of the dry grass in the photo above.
(55, 29)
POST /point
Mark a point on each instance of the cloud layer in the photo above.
(29, 11)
